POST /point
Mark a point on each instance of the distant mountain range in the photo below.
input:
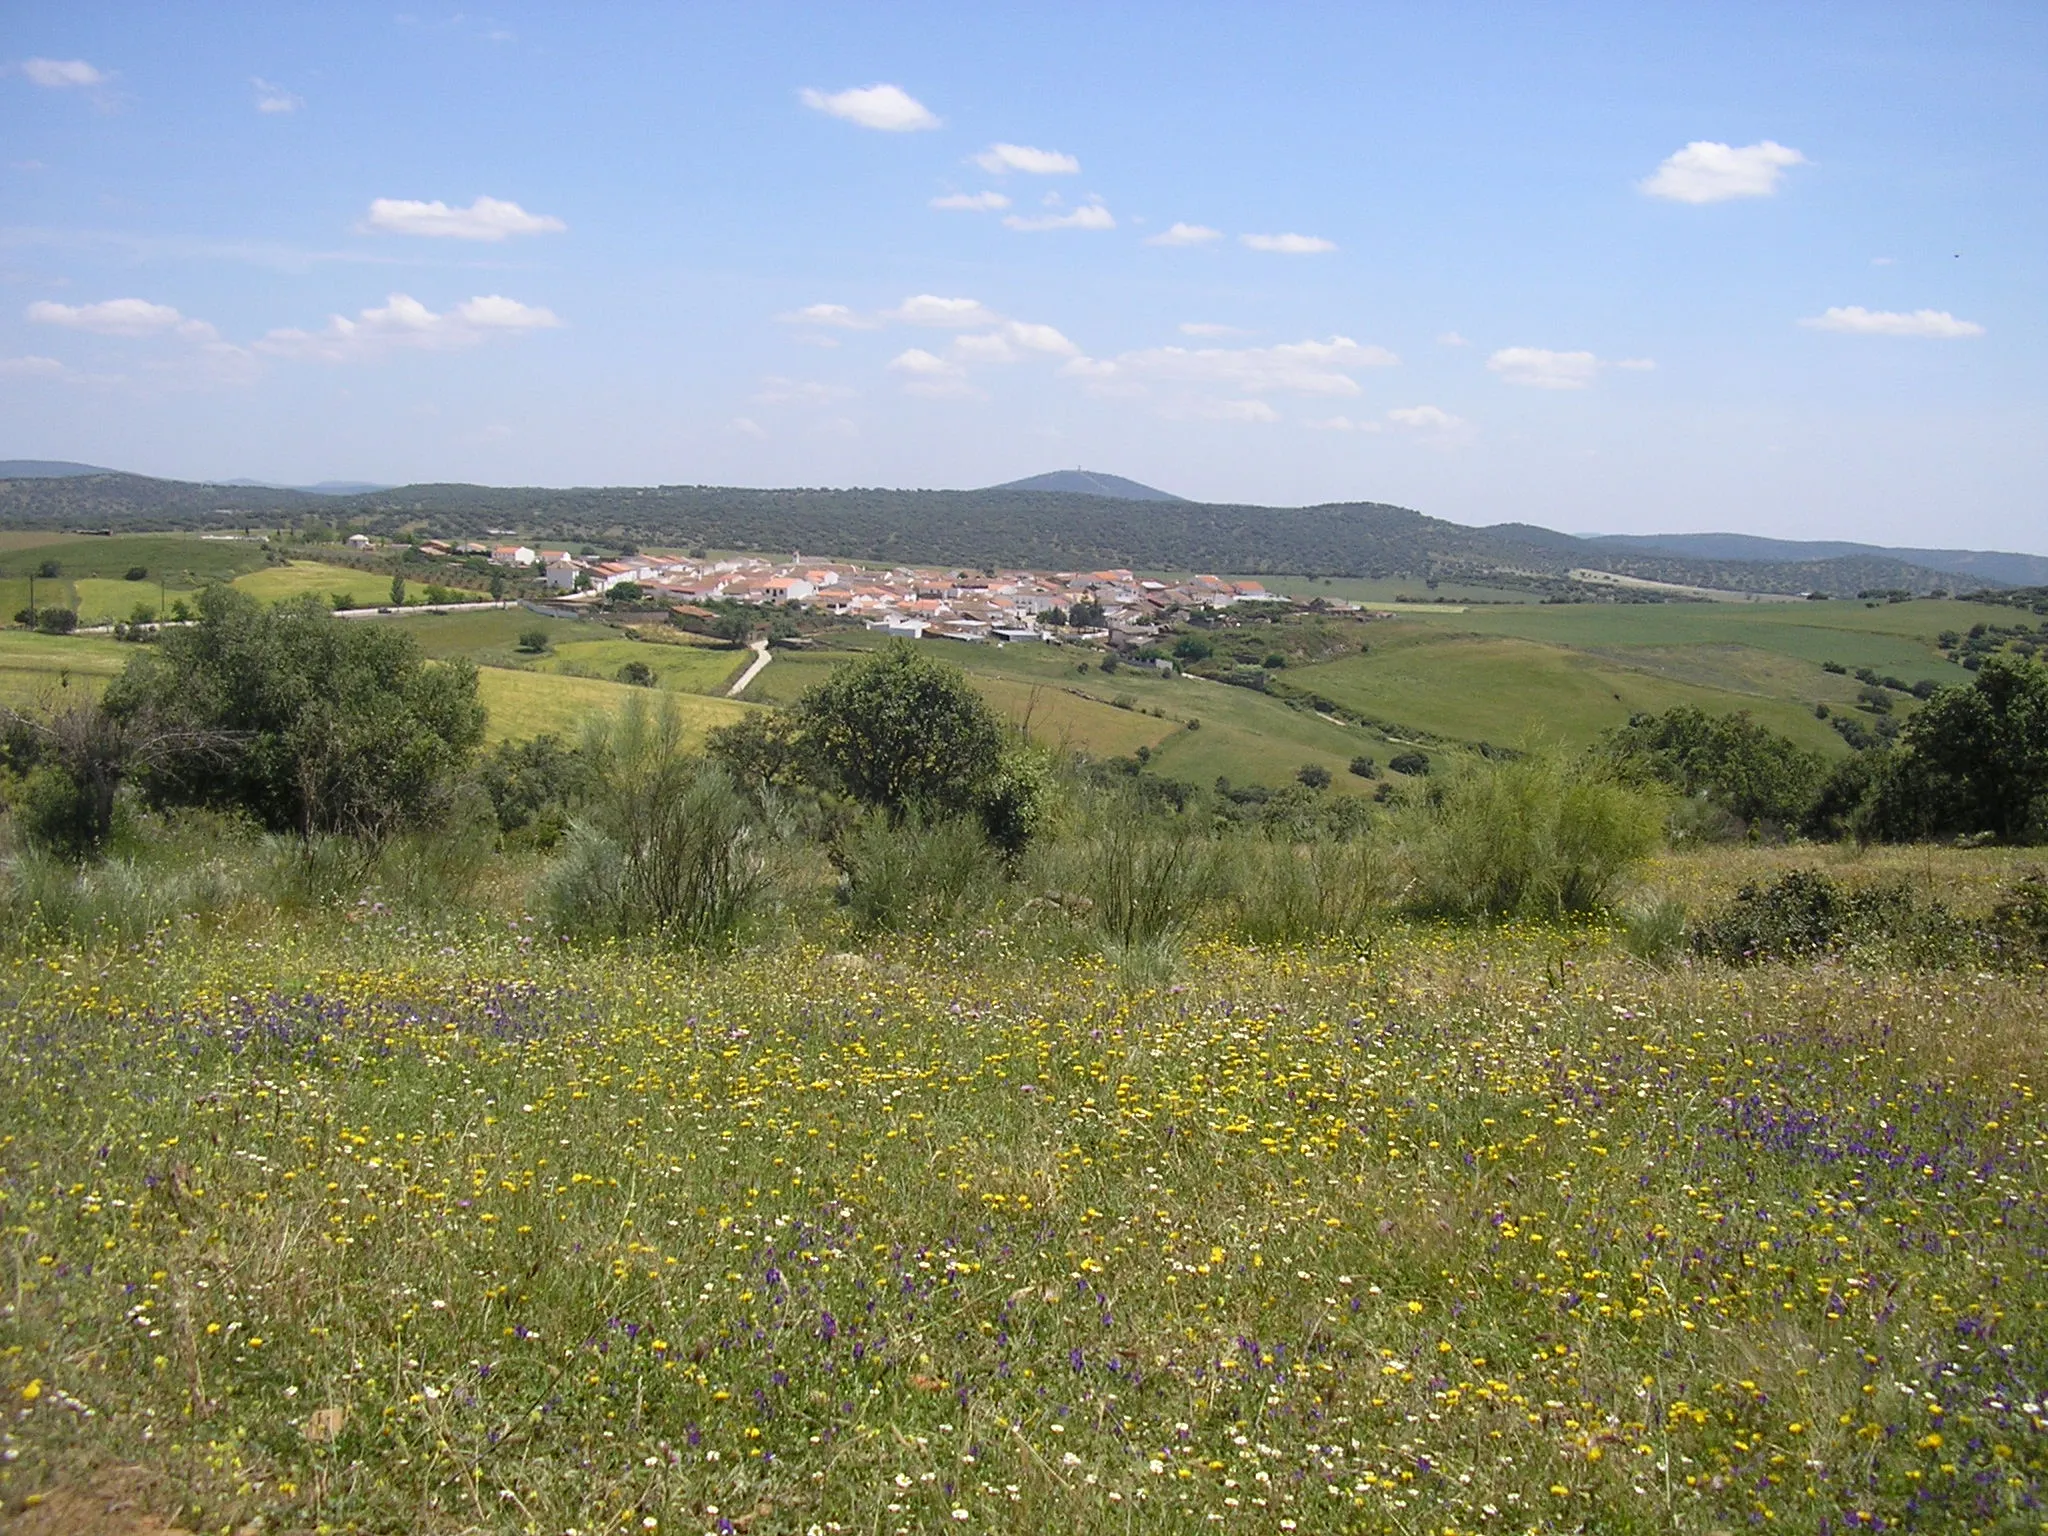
(1983, 565)
(64, 469)
(1088, 482)
(1024, 524)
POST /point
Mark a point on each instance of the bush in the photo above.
(637, 674)
(1973, 760)
(538, 780)
(1312, 776)
(1364, 767)
(667, 845)
(56, 621)
(914, 877)
(533, 641)
(1654, 931)
(1414, 764)
(1803, 913)
(902, 732)
(1538, 836)
(137, 573)
(332, 726)
(1304, 893)
(1144, 877)
(1728, 760)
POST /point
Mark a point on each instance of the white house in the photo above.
(562, 574)
(358, 541)
(901, 628)
(513, 554)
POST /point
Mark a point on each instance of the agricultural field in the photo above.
(522, 704)
(387, 1223)
(37, 669)
(311, 578)
(1064, 700)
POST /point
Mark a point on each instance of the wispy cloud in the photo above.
(274, 98)
(31, 368)
(1087, 216)
(1300, 367)
(1209, 328)
(488, 218)
(837, 317)
(1452, 339)
(120, 317)
(950, 314)
(1289, 245)
(1540, 368)
(62, 74)
(1428, 422)
(1709, 172)
(776, 390)
(1001, 159)
(885, 108)
(972, 202)
(1185, 234)
(934, 377)
(1855, 320)
(403, 323)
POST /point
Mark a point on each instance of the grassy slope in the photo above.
(1065, 700)
(303, 578)
(529, 703)
(34, 668)
(684, 668)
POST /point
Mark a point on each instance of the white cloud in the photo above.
(887, 108)
(60, 74)
(930, 309)
(1430, 421)
(120, 317)
(1087, 216)
(972, 202)
(405, 323)
(1185, 234)
(1210, 328)
(835, 316)
(932, 376)
(1708, 172)
(1637, 364)
(1232, 410)
(1016, 337)
(1542, 369)
(1001, 159)
(274, 98)
(1452, 339)
(746, 426)
(1300, 367)
(488, 218)
(1855, 320)
(1289, 245)
(30, 367)
(1884, 261)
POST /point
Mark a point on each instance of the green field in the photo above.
(683, 668)
(310, 578)
(531, 703)
(37, 669)
(1067, 701)
(396, 1219)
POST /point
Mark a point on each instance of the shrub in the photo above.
(637, 674)
(335, 726)
(1973, 760)
(533, 641)
(1144, 876)
(667, 845)
(1538, 836)
(539, 780)
(137, 573)
(1364, 767)
(916, 877)
(1654, 931)
(903, 732)
(1804, 913)
(1312, 776)
(1304, 893)
(1729, 760)
(56, 621)
(1415, 764)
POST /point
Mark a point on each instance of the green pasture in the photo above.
(683, 668)
(37, 669)
(310, 578)
(487, 636)
(525, 704)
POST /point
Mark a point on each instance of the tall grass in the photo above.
(667, 844)
(1538, 836)
(1287, 892)
(918, 876)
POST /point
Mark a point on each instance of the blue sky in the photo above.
(1776, 269)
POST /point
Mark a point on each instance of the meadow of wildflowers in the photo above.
(356, 1227)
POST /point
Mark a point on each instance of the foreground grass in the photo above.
(407, 1230)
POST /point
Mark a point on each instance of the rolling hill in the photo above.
(1088, 482)
(1044, 529)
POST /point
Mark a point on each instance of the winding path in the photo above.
(761, 659)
